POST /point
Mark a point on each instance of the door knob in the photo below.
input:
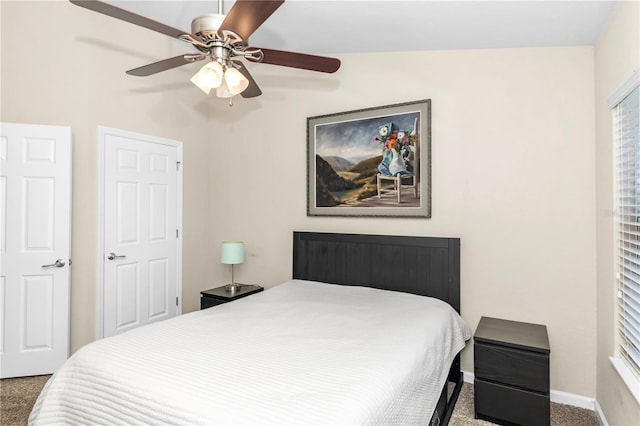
(112, 256)
(59, 264)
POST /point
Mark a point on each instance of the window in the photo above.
(626, 122)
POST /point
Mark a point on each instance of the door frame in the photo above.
(103, 132)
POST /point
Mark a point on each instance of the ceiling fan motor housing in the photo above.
(206, 26)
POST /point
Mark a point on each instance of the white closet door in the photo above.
(35, 215)
(141, 239)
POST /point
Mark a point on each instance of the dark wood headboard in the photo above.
(428, 266)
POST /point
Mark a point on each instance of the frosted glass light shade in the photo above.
(232, 252)
(223, 91)
(209, 77)
(236, 81)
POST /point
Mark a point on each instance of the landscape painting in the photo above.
(371, 162)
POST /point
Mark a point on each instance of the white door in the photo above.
(35, 218)
(141, 220)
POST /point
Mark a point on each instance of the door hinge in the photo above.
(177, 301)
(178, 165)
(177, 233)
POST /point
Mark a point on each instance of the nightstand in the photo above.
(511, 367)
(218, 296)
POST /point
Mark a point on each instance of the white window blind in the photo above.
(626, 121)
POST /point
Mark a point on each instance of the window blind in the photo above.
(626, 121)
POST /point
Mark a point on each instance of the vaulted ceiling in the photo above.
(339, 26)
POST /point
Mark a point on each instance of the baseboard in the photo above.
(602, 420)
(562, 398)
(467, 376)
(573, 399)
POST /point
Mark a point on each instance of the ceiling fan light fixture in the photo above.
(205, 89)
(209, 77)
(223, 90)
(236, 81)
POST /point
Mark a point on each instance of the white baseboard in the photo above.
(562, 398)
(467, 376)
(572, 399)
(602, 420)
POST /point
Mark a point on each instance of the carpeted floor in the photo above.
(17, 396)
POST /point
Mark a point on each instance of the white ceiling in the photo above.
(339, 26)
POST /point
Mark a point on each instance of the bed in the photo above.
(330, 346)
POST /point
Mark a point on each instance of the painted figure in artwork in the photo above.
(398, 146)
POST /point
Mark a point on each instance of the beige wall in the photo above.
(55, 70)
(513, 176)
(617, 53)
(513, 163)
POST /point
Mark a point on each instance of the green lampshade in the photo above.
(232, 252)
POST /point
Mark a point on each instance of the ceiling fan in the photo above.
(220, 38)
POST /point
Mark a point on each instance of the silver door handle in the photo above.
(112, 256)
(59, 264)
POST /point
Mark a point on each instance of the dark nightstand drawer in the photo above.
(219, 295)
(514, 367)
(207, 302)
(501, 404)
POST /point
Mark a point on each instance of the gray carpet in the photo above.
(17, 396)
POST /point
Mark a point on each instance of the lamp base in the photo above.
(232, 288)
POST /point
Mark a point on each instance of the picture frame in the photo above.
(371, 162)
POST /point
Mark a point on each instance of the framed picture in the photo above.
(371, 162)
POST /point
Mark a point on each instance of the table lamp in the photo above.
(232, 253)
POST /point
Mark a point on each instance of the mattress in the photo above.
(300, 353)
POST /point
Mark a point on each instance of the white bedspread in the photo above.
(301, 353)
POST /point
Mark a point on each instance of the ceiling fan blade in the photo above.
(164, 65)
(246, 16)
(125, 15)
(299, 60)
(252, 90)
